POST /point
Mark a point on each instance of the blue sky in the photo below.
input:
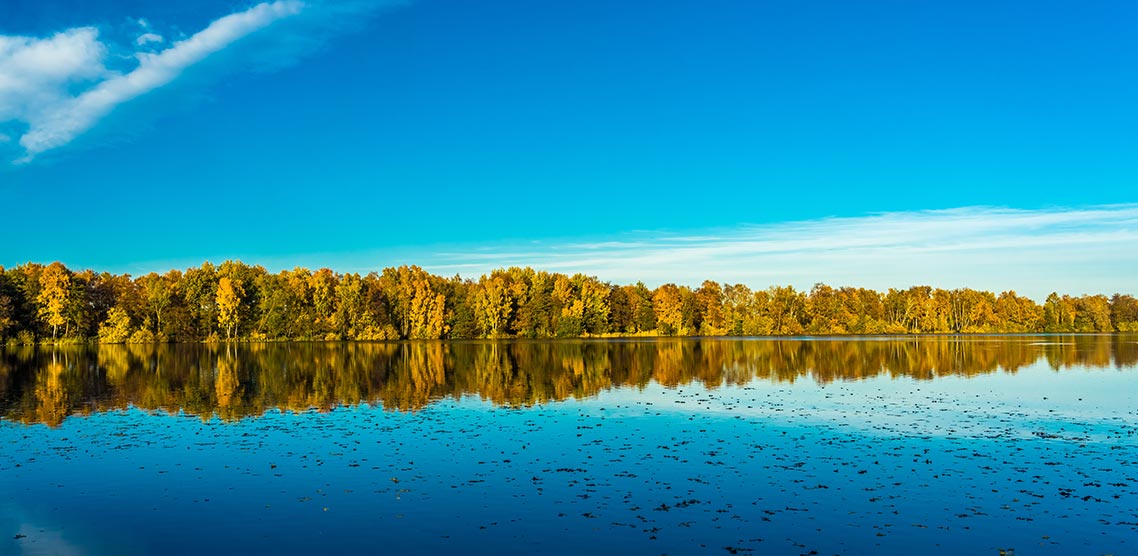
(460, 135)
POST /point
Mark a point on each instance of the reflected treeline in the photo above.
(46, 384)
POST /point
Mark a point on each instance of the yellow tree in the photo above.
(227, 385)
(415, 303)
(595, 298)
(786, 307)
(737, 303)
(825, 311)
(709, 298)
(667, 303)
(1093, 314)
(428, 311)
(52, 396)
(322, 285)
(229, 294)
(1123, 313)
(571, 318)
(398, 286)
(116, 329)
(55, 291)
(492, 305)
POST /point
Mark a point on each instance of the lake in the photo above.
(908, 445)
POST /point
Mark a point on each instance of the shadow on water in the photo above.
(47, 384)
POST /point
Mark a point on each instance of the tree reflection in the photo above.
(227, 386)
(51, 394)
(46, 385)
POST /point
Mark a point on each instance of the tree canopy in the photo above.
(236, 301)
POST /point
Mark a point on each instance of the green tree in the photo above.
(200, 289)
(7, 315)
(157, 295)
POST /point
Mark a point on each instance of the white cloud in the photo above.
(147, 38)
(38, 75)
(59, 123)
(1085, 250)
(56, 88)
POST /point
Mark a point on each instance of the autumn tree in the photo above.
(54, 295)
(7, 304)
(786, 307)
(322, 285)
(7, 314)
(667, 302)
(570, 319)
(229, 293)
(116, 329)
(1059, 313)
(594, 297)
(738, 301)
(1124, 313)
(620, 310)
(418, 307)
(157, 295)
(464, 320)
(536, 311)
(828, 314)
(199, 286)
(709, 302)
(1092, 314)
(492, 304)
(1016, 313)
(409, 303)
(279, 315)
(428, 311)
(643, 310)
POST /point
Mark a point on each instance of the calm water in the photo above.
(876, 446)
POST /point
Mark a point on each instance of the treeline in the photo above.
(235, 301)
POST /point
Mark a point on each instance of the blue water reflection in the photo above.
(648, 447)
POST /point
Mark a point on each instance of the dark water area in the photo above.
(970, 444)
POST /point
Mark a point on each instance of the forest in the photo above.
(234, 301)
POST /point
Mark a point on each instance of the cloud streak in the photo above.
(1032, 251)
(36, 75)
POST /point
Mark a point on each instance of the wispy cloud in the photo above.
(36, 75)
(1032, 251)
(55, 88)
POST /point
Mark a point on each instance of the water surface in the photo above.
(800, 446)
